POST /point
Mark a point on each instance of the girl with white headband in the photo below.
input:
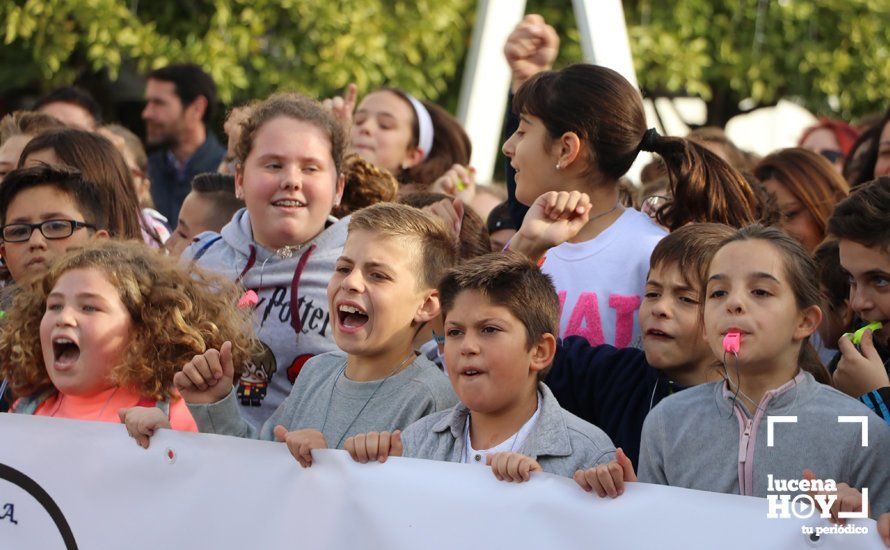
(417, 141)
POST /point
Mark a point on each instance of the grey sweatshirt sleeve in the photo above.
(870, 469)
(223, 418)
(652, 449)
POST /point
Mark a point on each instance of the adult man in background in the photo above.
(180, 100)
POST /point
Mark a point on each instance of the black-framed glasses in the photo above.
(50, 229)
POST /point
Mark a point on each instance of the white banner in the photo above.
(91, 484)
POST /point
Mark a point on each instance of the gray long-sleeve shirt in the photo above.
(702, 439)
(561, 442)
(324, 399)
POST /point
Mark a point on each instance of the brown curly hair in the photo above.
(176, 312)
(365, 185)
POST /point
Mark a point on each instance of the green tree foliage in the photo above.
(251, 47)
(833, 56)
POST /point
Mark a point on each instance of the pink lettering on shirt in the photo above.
(625, 307)
(585, 320)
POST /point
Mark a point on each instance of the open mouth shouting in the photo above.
(66, 352)
(351, 317)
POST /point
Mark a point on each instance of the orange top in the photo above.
(103, 407)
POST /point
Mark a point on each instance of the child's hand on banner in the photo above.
(143, 422)
(512, 466)
(848, 499)
(300, 443)
(208, 377)
(884, 528)
(377, 446)
(607, 479)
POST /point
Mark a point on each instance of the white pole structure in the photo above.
(604, 36)
(486, 82)
(604, 41)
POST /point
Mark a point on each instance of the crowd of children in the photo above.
(344, 283)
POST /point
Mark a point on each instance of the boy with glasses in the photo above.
(44, 212)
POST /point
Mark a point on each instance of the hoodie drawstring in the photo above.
(295, 320)
(294, 307)
(251, 259)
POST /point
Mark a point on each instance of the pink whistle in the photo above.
(732, 342)
(249, 299)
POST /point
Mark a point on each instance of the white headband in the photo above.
(424, 125)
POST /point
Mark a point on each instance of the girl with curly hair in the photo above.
(106, 329)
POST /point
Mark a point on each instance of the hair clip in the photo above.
(732, 342)
(856, 337)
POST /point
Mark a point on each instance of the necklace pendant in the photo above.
(287, 252)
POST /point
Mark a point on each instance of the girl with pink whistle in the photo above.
(761, 306)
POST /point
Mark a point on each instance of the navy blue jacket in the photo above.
(612, 388)
(169, 187)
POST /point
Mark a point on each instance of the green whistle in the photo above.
(856, 337)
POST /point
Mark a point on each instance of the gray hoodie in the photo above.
(291, 331)
(701, 438)
(561, 442)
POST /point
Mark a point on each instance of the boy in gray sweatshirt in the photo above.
(501, 314)
(292, 318)
(382, 292)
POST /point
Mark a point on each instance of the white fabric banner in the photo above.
(93, 483)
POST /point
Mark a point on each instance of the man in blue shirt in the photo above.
(180, 100)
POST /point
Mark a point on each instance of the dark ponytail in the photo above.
(703, 187)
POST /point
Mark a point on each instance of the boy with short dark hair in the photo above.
(208, 207)
(501, 317)
(44, 212)
(861, 224)
(382, 293)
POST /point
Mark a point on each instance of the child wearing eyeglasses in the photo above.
(45, 212)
